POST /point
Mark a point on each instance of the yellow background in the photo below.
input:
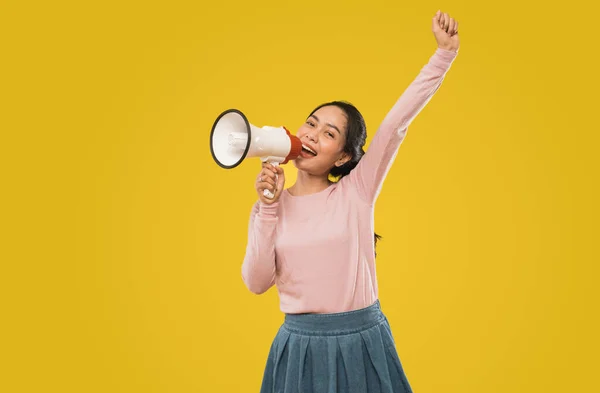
(122, 239)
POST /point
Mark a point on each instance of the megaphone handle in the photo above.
(266, 192)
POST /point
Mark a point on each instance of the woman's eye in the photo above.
(330, 134)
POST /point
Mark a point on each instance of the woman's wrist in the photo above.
(448, 48)
(268, 209)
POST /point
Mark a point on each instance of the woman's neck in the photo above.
(307, 184)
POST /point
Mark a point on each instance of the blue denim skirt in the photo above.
(349, 352)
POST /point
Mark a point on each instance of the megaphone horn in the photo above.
(233, 139)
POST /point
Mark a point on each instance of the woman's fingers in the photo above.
(280, 178)
(269, 166)
(280, 183)
(271, 178)
(267, 176)
(451, 26)
(269, 185)
(267, 179)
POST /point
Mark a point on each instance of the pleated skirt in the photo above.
(349, 352)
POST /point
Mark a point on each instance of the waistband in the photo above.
(335, 323)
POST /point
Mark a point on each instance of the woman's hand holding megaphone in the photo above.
(271, 178)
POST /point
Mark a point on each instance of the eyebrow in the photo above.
(330, 125)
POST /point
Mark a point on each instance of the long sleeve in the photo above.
(259, 267)
(369, 174)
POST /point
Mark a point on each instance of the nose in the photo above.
(312, 136)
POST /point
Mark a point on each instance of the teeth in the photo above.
(309, 149)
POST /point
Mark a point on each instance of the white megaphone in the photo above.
(233, 139)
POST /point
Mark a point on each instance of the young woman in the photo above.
(315, 242)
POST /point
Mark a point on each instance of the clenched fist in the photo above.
(271, 178)
(445, 30)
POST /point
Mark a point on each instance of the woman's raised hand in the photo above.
(267, 180)
(445, 30)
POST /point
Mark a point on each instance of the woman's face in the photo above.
(324, 132)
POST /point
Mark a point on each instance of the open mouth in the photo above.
(309, 150)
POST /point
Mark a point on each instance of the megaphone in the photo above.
(233, 139)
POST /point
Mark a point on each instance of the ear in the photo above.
(343, 159)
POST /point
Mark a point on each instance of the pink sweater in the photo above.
(318, 249)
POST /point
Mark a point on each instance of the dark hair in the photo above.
(356, 136)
